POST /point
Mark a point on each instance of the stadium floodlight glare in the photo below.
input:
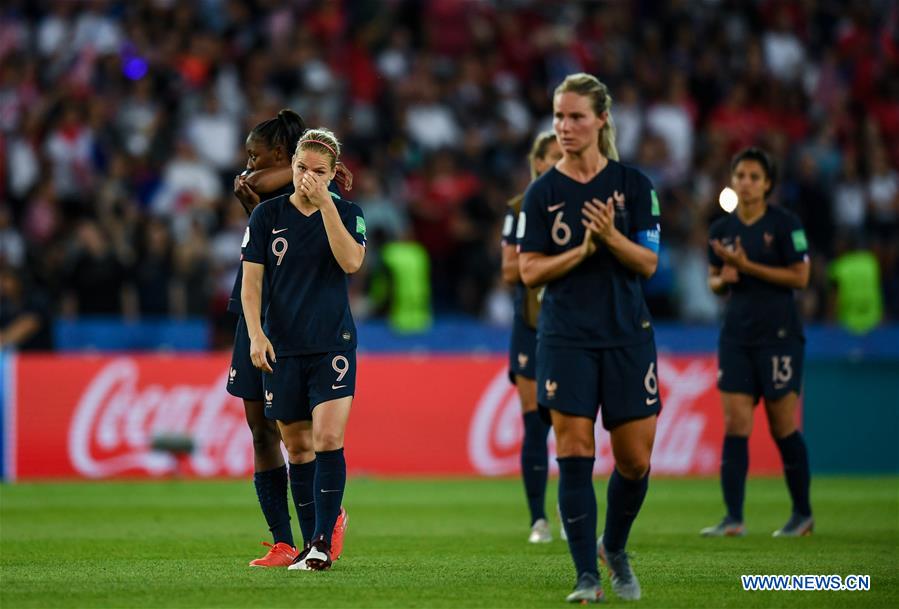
(728, 199)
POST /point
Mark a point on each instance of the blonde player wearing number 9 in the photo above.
(303, 246)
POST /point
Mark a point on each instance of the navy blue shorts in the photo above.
(244, 381)
(620, 382)
(522, 351)
(771, 371)
(300, 383)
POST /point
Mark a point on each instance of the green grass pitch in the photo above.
(425, 543)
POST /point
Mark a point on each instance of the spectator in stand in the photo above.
(153, 273)
(95, 274)
(25, 319)
(850, 208)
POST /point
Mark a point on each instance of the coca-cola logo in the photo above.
(496, 430)
(117, 418)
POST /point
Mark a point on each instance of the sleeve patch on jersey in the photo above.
(650, 239)
(246, 238)
(519, 234)
(507, 226)
(656, 210)
(360, 225)
(800, 244)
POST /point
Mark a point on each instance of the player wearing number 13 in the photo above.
(589, 232)
(758, 255)
(303, 246)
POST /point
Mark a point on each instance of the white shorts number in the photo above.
(560, 231)
(341, 366)
(650, 381)
(279, 248)
(781, 369)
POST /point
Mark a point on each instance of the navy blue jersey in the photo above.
(759, 312)
(308, 310)
(599, 303)
(234, 305)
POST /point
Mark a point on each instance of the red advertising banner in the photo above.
(97, 417)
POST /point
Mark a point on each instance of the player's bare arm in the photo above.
(251, 299)
(599, 217)
(245, 193)
(538, 269)
(722, 277)
(510, 271)
(269, 179)
(794, 276)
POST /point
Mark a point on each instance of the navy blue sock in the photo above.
(734, 465)
(330, 480)
(796, 471)
(623, 501)
(535, 463)
(271, 490)
(302, 477)
(577, 501)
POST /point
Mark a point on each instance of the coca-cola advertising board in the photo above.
(98, 417)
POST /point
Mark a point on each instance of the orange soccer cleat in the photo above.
(279, 555)
(337, 534)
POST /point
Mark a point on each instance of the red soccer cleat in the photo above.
(337, 534)
(280, 555)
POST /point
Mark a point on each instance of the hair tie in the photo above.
(321, 143)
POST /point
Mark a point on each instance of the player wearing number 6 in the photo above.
(758, 255)
(303, 246)
(589, 232)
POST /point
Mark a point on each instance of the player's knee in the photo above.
(574, 447)
(301, 456)
(737, 425)
(327, 439)
(528, 404)
(265, 435)
(634, 467)
(781, 429)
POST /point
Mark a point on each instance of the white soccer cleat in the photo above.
(299, 563)
(540, 532)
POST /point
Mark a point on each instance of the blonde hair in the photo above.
(588, 85)
(539, 149)
(320, 140)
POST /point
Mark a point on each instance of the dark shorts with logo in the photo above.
(769, 371)
(244, 381)
(522, 351)
(620, 382)
(300, 383)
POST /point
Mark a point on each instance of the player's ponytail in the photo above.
(322, 141)
(588, 85)
(283, 130)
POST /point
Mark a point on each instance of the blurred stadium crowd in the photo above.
(123, 123)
